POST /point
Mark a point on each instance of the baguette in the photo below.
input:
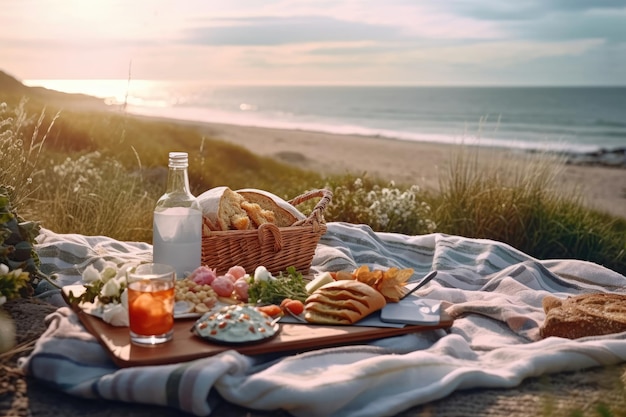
(342, 302)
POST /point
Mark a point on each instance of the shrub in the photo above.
(385, 208)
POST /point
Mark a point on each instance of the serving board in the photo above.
(185, 346)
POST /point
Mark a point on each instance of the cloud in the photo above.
(549, 20)
(527, 9)
(256, 31)
(610, 26)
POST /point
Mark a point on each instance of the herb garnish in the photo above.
(272, 291)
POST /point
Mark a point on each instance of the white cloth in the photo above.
(493, 291)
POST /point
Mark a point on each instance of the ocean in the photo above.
(568, 119)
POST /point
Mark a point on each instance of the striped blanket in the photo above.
(493, 291)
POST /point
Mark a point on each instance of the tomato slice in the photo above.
(295, 306)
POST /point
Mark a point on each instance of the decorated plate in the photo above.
(236, 324)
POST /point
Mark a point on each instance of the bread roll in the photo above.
(584, 315)
(342, 302)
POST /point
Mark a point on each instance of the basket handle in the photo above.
(316, 216)
(271, 229)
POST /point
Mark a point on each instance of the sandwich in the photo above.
(342, 302)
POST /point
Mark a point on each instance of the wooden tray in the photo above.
(186, 347)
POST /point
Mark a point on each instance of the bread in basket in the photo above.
(254, 228)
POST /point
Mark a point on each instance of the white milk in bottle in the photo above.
(177, 225)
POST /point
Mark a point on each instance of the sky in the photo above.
(365, 42)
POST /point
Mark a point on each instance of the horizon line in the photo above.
(243, 84)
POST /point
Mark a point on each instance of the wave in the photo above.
(287, 122)
(608, 123)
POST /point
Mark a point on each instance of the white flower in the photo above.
(116, 315)
(111, 288)
(121, 282)
(91, 274)
(109, 270)
(121, 273)
(124, 298)
(4, 269)
(261, 274)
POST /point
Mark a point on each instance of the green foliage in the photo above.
(519, 202)
(19, 263)
(13, 284)
(289, 284)
(92, 291)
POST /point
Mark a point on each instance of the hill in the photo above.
(12, 88)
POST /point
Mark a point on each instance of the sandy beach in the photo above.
(420, 163)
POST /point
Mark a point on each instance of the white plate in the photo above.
(180, 311)
(181, 308)
(236, 325)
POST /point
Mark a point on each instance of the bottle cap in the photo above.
(179, 160)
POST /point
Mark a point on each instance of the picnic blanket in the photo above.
(493, 290)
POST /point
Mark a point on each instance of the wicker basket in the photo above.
(275, 248)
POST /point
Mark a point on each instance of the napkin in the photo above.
(412, 310)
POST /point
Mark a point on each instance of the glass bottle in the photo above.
(177, 224)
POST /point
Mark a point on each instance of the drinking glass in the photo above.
(151, 303)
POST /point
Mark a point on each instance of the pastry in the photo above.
(342, 302)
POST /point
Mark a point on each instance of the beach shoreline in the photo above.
(408, 162)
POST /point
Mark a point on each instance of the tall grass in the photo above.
(22, 137)
(95, 195)
(116, 170)
(520, 200)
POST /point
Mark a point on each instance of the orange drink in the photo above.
(151, 303)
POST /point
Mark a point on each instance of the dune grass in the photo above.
(99, 173)
(521, 202)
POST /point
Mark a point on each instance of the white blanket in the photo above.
(493, 291)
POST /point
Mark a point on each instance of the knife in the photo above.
(423, 282)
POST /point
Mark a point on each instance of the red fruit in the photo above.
(230, 277)
(223, 286)
(295, 306)
(203, 275)
(237, 271)
(241, 289)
